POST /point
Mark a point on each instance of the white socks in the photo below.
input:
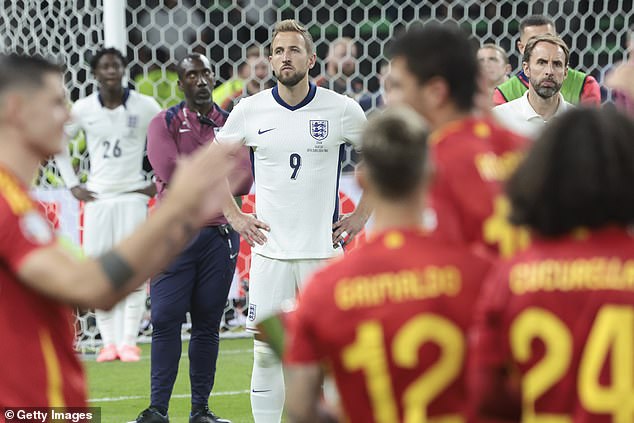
(120, 326)
(133, 312)
(267, 385)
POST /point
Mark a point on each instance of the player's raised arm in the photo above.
(102, 281)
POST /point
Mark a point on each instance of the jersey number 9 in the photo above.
(296, 163)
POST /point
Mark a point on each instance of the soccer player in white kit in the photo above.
(296, 132)
(114, 120)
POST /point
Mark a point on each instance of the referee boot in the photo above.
(152, 415)
(205, 415)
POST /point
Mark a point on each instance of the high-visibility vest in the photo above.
(571, 89)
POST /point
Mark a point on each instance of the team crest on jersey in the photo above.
(35, 228)
(251, 315)
(133, 121)
(319, 129)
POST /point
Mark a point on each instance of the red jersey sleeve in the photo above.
(488, 330)
(591, 93)
(21, 234)
(303, 343)
(442, 217)
(490, 396)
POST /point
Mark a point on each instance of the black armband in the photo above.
(116, 269)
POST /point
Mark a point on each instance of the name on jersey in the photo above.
(593, 274)
(397, 287)
(492, 167)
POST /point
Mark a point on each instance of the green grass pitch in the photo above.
(122, 390)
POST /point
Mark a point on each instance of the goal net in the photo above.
(160, 32)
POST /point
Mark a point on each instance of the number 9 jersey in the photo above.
(557, 323)
(390, 321)
(297, 153)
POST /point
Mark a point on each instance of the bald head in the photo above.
(185, 62)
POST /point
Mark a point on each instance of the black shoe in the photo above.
(206, 416)
(151, 415)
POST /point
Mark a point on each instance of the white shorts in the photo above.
(273, 282)
(108, 221)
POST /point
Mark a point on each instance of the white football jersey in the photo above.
(115, 139)
(297, 153)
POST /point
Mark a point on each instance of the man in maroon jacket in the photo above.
(198, 280)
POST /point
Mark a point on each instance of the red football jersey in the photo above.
(38, 366)
(560, 316)
(389, 319)
(473, 157)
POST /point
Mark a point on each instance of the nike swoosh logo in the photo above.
(260, 132)
(260, 392)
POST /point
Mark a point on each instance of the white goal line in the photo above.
(137, 397)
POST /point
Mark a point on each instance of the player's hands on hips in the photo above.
(82, 194)
(347, 227)
(198, 182)
(249, 227)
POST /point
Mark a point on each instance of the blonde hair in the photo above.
(291, 25)
(497, 48)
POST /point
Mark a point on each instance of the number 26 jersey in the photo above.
(115, 139)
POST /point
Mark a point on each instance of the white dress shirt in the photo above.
(520, 117)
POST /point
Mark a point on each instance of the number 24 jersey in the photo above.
(562, 315)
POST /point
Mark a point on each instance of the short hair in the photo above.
(291, 25)
(344, 41)
(24, 71)
(577, 174)
(189, 56)
(498, 49)
(547, 38)
(456, 62)
(535, 20)
(395, 152)
(254, 50)
(94, 61)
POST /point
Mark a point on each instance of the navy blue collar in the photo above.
(124, 99)
(312, 90)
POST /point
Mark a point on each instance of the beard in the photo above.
(292, 79)
(546, 92)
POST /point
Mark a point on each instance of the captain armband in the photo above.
(116, 269)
